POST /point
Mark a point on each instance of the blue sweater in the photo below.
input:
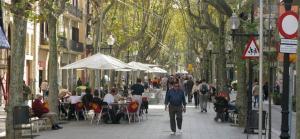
(175, 97)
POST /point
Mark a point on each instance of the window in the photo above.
(75, 3)
(75, 34)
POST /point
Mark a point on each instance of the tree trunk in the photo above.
(221, 59)
(19, 27)
(53, 65)
(241, 98)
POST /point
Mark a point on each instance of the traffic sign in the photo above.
(288, 46)
(288, 24)
(251, 50)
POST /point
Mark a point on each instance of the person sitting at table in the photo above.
(109, 99)
(87, 98)
(96, 98)
(74, 99)
(41, 111)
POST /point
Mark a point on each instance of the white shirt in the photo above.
(232, 95)
(74, 99)
(109, 98)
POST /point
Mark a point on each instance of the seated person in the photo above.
(41, 111)
(232, 97)
(96, 98)
(113, 109)
(87, 98)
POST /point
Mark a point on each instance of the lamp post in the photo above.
(177, 58)
(269, 25)
(201, 62)
(229, 62)
(234, 27)
(209, 48)
(198, 64)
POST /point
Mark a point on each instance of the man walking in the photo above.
(176, 103)
(188, 88)
(204, 90)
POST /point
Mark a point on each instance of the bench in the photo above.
(233, 116)
(40, 123)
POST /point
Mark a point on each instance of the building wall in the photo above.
(37, 53)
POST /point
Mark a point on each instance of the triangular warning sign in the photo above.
(251, 50)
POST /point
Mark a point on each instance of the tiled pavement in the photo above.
(196, 125)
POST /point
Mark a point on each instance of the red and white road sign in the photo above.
(251, 50)
(288, 24)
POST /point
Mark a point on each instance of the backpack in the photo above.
(204, 89)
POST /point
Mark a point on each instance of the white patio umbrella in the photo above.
(98, 61)
(158, 70)
(139, 66)
(182, 72)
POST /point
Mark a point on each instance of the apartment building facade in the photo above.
(71, 30)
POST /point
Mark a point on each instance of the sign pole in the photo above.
(285, 90)
(260, 68)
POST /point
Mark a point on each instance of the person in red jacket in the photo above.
(40, 110)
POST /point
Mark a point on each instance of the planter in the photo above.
(276, 99)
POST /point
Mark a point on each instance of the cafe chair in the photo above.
(97, 112)
(80, 109)
(132, 111)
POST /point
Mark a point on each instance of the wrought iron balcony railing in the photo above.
(73, 10)
(76, 46)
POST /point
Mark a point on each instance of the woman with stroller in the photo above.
(221, 106)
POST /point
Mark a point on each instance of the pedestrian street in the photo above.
(196, 125)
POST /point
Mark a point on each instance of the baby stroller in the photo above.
(221, 106)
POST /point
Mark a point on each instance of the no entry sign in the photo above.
(288, 24)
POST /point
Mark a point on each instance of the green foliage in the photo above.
(249, 27)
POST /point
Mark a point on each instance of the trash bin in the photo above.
(254, 119)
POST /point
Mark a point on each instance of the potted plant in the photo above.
(276, 98)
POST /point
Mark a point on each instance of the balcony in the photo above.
(73, 11)
(76, 46)
(62, 42)
(89, 49)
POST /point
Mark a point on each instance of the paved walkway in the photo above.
(195, 125)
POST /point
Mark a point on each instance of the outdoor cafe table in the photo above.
(123, 107)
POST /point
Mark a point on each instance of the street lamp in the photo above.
(110, 41)
(235, 22)
(209, 48)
